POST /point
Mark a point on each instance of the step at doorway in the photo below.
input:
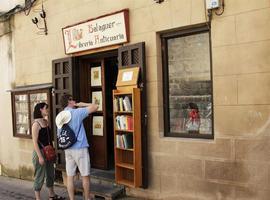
(102, 185)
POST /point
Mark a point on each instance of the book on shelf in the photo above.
(124, 122)
(121, 108)
(124, 141)
(127, 104)
(128, 141)
(122, 104)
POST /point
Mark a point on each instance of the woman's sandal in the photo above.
(56, 197)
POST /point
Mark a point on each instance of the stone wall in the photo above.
(235, 165)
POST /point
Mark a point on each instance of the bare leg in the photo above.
(51, 192)
(70, 187)
(37, 195)
(86, 187)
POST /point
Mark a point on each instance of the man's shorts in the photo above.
(77, 158)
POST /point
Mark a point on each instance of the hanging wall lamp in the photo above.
(44, 29)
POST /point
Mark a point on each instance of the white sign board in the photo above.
(100, 32)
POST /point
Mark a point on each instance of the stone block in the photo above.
(177, 197)
(256, 150)
(53, 8)
(203, 189)
(237, 172)
(241, 59)
(181, 12)
(151, 69)
(233, 7)
(161, 15)
(225, 90)
(253, 89)
(242, 120)
(153, 162)
(180, 165)
(223, 31)
(138, 25)
(106, 6)
(88, 10)
(154, 142)
(167, 147)
(154, 181)
(156, 94)
(251, 193)
(253, 26)
(168, 183)
(142, 3)
(198, 12)
(154, 119)
(220, 148)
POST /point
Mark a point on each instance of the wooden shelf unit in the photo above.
(128, 162)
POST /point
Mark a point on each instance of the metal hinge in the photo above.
(53, 92)
(145, 118)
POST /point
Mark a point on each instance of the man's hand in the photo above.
(91, 106)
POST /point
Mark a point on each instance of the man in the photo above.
(77, 155)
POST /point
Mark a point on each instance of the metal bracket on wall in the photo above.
(42, 13)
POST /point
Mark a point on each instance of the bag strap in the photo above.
(73, 131)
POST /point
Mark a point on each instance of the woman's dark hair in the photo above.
(64, 100)
(37, 112)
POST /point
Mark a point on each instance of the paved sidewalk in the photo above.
(13, 189)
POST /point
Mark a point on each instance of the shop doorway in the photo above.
(98, 75)
(73, 75)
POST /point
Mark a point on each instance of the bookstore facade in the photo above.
(177, 118)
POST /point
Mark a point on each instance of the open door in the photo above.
(134, 56)
(63, 74)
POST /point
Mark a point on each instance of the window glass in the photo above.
(23, 103)
(22, 115)
(189, 85)
(36, 98)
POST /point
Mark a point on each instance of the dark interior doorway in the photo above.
(101, 146)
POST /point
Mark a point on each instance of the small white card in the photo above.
(127, 76)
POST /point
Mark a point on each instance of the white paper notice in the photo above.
(127, 76)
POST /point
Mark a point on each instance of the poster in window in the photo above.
(97, 99)
(98, 125)
(96, 76)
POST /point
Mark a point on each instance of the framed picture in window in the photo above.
(97, 99)
(96, 76)
(98, 125)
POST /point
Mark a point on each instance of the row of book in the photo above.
(122, 104)
(124, 141)
(124, 122)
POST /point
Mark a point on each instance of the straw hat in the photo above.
(62, 118)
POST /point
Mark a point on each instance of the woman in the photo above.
(42, 137)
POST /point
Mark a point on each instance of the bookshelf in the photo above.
(127, 136)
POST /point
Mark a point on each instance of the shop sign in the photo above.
(96, 33)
